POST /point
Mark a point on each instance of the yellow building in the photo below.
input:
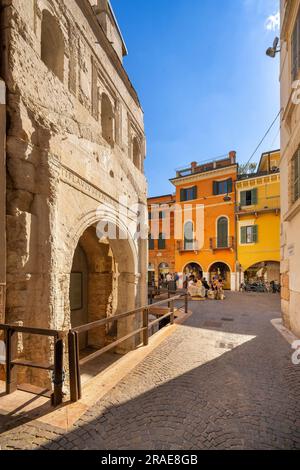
(258, 221)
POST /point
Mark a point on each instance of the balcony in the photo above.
(187, 247)
(271, 204)
(206, 166)
(216, 244)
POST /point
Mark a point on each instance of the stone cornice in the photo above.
(261, 179)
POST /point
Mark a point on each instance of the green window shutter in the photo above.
(182, 195)
(243, 234)
(255, 234)
(195, 192)
(254, 196)
(215, 188)
(229, 185)
(243, 198)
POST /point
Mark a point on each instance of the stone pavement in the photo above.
(223, 380)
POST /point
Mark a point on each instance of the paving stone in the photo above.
(190, 394)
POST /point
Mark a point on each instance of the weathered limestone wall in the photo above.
(60, 167)
(290, 141)
(2, 199)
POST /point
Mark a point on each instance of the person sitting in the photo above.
(196, 289)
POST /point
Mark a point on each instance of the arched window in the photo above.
(107, 119)
(136, 153)
(222, 232)
(188, 236)
(52, 45)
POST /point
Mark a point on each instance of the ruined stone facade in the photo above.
(75, 145)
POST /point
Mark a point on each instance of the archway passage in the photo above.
(193, 269)
(266, 271)
(102, 285)
(93, 288)
(221, 270)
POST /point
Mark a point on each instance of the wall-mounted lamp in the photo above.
(272, 51)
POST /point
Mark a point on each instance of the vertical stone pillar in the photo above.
(2, 199)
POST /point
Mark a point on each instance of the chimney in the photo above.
(193, 166)
(232, 156)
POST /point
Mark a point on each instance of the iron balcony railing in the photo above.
(220, 244)
(183, 246)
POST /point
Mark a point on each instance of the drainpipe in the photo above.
(2, 199)
(237, 268)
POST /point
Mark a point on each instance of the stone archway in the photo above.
(103, 283)
(193, 269)
(222, 270)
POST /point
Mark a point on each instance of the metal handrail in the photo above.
(12, 361)
(73, 338)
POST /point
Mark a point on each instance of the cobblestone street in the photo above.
(223, 380)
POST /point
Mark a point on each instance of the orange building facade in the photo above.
(162, 243)
(202, 235)
(207, 243)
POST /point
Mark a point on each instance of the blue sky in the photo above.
(204, 81)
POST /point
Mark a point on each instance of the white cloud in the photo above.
(273, 22)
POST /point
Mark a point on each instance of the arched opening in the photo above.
(265, 272)
(193, 269)
(52, 45)
(102, 271)
(136, 153)
(188, 236)
(222, 232)
(107, 119)
(221, 270)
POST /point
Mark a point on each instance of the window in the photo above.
(162, 215)
(296, 175)
(149, 215)
(188, 194)
(249, 198)
(136, 154)
(296, 48)
(222, 232)
(150, 243)
(222, 187)
(52, 45)
(107, 119)
(249, 234)
(162, 241)
(188, 236)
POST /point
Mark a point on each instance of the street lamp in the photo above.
(227, 198)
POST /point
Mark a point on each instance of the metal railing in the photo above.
(12, 362)
(73, 338)
(216, 244)
(187, 246)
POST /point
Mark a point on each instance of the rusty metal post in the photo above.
(78, 365)
(11, 353)
(73, 367)
(172, 313)
(57, 395)
(146, 326)
(186, 303)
